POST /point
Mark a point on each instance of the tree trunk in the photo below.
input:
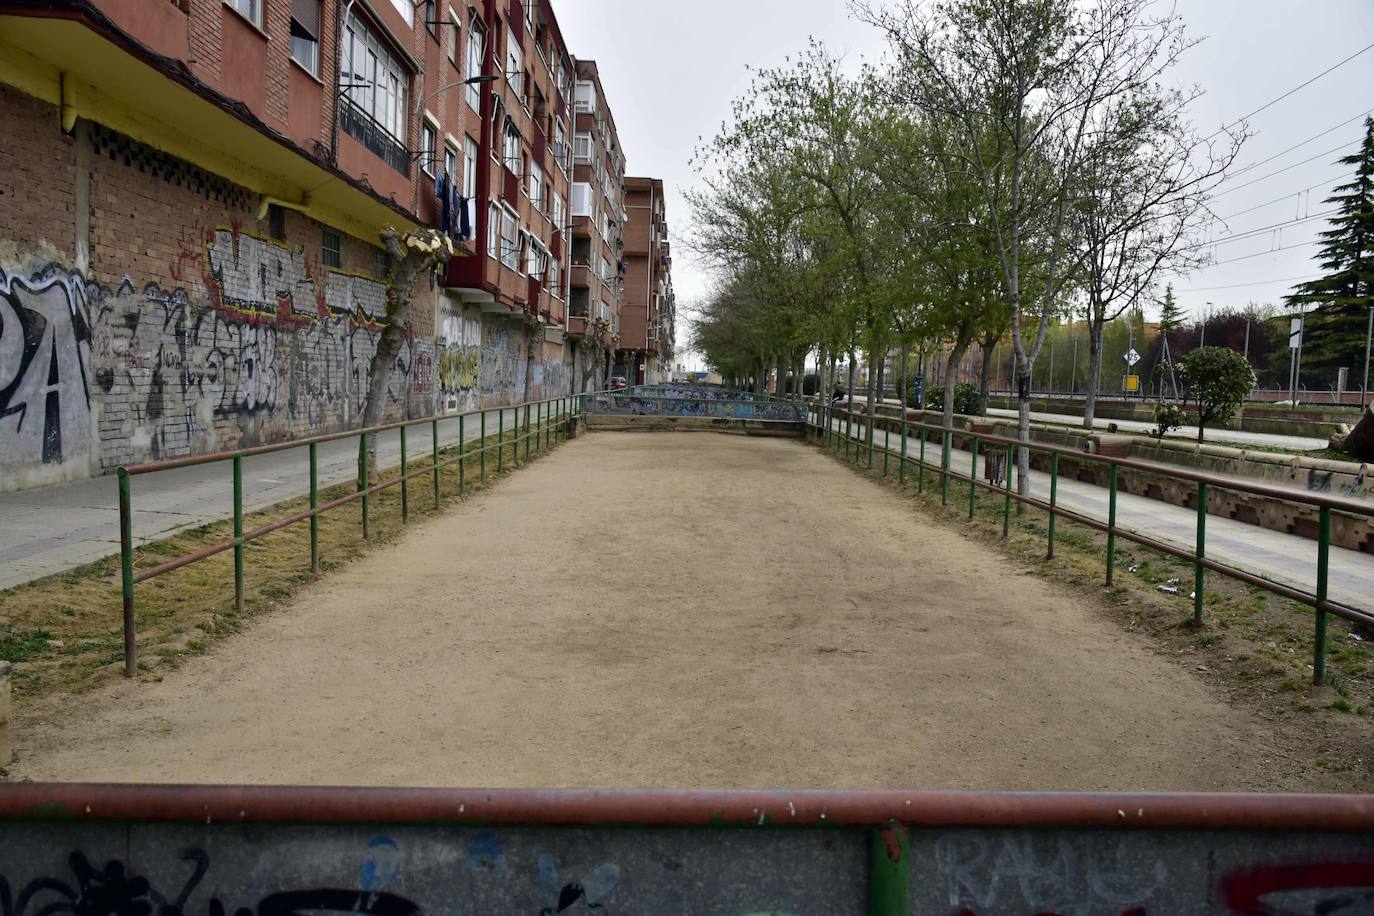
(870, 400)
(901, 395)
(780, 386)
(951, 378)
(1359, 442)
(1094, 385)
(985, 375)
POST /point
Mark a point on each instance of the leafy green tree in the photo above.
(1335, 334)
(1217, 381)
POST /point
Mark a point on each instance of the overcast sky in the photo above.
(670, 69)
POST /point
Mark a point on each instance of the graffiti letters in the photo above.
(45, 361)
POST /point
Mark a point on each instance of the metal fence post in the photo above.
(946, 446)
(1054, 501)
(527, 435)
(405, 481)
(1111, 523)
(365, 480)
(973, 478)
(901, 462)
(500, 439)
(921, 468)
(126, 571)
(434, 428)
(482, 452)
(238, 533)
(889, 849)
(1200, 551)
(1323, 571)
(887, 449)
(314, 509)
(462, 456)
(1006, 506)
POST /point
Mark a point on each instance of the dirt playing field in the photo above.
(656, 610)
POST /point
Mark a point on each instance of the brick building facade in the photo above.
(647, 335)
(191, 196)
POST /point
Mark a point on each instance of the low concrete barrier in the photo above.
(281, 852)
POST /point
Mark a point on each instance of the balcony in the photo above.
(582, 277)
(360, 126)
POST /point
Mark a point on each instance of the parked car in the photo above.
(618, 383)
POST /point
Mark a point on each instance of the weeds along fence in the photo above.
(537, 424)
(850, 430)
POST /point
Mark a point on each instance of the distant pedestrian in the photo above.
(838, 393)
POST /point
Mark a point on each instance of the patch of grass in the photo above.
(180, 614)
(1342, 705)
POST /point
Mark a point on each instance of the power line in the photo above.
(1212, 289)
(1251, 233)
(1258, 254)
(1274, 102)
(1321, 184)
(1290, 149)
(1285, 169)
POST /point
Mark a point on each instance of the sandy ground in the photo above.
(655, 610)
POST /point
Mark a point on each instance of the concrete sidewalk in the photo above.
(1279, 557)
(1232, 437)
(50, 530)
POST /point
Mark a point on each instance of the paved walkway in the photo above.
(52, 529)
(1272, 554)
(1186, 433)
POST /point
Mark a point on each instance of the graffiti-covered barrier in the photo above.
(391, 852)
(151, 310)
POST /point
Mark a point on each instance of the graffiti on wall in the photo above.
(45, 367)
(460, 361)
(503, 361)
(259, 345)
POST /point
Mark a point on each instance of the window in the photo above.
(305, 34)
(407, 9)
(450, 162)
(606, 271)
(432, 17)
(276, 222)
(454, 27)
(559, 212)
(428, 138)
(511, 147)
(585, 99)
(476, 41)
(510, 242)
(582, 147)
(379, 265)
(249, 9)
(493, 231)
(470, 153)
(581, 199)
(560, 145)
(373, 81)
(331, 252)
(515, 65)
(536, 186)
(553, 279)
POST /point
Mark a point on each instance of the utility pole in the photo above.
(1368, 339)
(1247, 339)
(1202, 337)
(1073, 373)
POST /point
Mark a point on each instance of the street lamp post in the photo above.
(1368, 339)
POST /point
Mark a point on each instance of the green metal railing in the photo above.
(551, 423)
(837, 424)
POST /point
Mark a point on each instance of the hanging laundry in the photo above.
(443, 183)
(464, 219)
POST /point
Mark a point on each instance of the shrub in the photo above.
(965, 398)
(1168, 416)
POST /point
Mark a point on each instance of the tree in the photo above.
(1334, 336)
(1217, 381)
(1170, 315)
(1028, 87)
(410, 255)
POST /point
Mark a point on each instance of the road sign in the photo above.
(1132, 356)
(1294, 333)
(1132, 383)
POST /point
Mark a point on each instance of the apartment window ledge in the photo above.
(301, 67)
(242, 18)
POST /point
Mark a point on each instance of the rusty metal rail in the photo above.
(836, 427)
(395, 852)
(544, 423)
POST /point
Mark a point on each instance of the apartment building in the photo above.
(598, 219)
(511, 299)
(191, 196)
(647, 319)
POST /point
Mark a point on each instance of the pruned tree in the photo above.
(1217, 381)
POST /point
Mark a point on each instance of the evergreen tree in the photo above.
(1335, 333)
(1170, 315)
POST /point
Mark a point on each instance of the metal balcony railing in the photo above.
(359, 125)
